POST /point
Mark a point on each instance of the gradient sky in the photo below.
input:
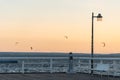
(43, 25)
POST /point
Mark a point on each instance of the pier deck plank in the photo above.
(55, 76)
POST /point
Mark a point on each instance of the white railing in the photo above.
(58, 64)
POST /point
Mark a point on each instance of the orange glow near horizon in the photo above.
(43, 25)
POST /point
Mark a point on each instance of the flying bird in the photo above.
(16, 43)
(66, 37)
(31, 48)
(103, 44)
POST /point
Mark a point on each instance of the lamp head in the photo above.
(99, 17)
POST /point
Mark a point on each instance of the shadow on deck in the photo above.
(55, 76)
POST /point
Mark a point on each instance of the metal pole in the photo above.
(92, 43)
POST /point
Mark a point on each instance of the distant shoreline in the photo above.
(54, 54)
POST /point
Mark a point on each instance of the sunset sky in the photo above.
(45, 24)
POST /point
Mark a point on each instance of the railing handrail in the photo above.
(86, 58)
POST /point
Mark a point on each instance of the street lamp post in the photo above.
(99, 18)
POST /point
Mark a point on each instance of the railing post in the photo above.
(101, 61)
(51, 65)
(79, 65)
(23, 67)
(89, 65)
(114, 67)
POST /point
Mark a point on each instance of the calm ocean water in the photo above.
(53, 54)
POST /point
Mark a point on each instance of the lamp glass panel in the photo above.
(99, 19)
